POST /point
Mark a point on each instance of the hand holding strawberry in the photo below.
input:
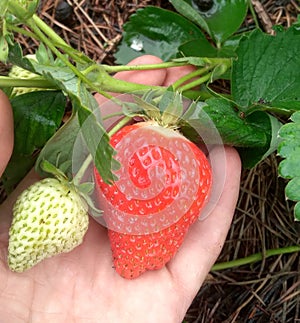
(82, 285)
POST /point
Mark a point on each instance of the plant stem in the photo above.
(191, 75)
(119, 125)
(6, 81)
(122, 68)
(31, 23)
(195, 83)
(117, 114)
(21, 31)
(255, 257)
(253, 13)
(48, 31)
(57, 40)
(77, 178)
(108, 83)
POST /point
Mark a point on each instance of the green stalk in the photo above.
(114, 69)
(48, 31)
(253, 13)
(255, 257)
(108, 83)
(119, 125)
(49, 44)
(6, 81)
(191, 75)
(21, 31)
(77, 178)
(57, 40)
(195, 83)
(104, 81)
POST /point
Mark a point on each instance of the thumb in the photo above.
(6, 131)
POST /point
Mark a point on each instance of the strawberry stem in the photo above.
(77, 178)
(122, 68)
(191, 75)
(255, 257)
(195, 83)
(38, 82)
(120, 125)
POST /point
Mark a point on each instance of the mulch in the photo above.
(267, 290)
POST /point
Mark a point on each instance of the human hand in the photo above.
(82, 286)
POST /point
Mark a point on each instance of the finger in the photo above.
(205, 239)
(6, 131)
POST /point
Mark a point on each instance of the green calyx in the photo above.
(84, 190)
(163, 107)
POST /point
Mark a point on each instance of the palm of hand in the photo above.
(82, 286)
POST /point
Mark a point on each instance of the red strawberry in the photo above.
(162, 185)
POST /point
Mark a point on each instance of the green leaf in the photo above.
(59, 148)
(191, 14)
(233, 129)
(203, 48)
(267, 71)
(155, 31)
(270, 125)
(255, 136)
(15, 57)
(37, 115)
(289, 149)
(223, 18)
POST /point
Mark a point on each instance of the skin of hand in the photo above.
(81, 286)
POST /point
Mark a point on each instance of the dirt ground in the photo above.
(267, 290)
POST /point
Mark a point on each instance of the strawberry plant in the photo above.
(258, 116)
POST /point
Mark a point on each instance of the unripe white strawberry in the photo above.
(49, 218)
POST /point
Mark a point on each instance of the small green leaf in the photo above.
(270, 125)
(15, 57)
(292, 189)
(191, 14)
(289, 149)
(155, 31)
(59, 148)
(51, 169)
(267, 71)
(86, 188)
